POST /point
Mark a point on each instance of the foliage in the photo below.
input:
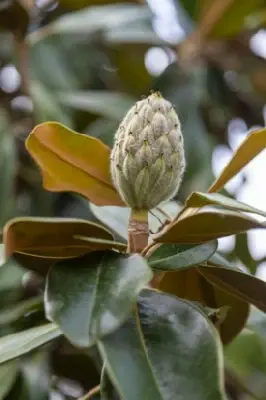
(80, 310)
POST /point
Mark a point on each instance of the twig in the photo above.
(91, 393)
(22, 49)
(138, 231)
(167, 216)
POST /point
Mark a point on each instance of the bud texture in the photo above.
(148, 160)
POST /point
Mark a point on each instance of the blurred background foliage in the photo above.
(84, 63)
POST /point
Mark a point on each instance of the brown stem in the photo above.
(91, 393)
(138, 231)
(167, 216)
(22, 50)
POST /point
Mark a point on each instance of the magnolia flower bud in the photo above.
(147, 160)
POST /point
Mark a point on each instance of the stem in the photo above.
(22, 49)
(138, 231)
(167, 216)
(91, 393)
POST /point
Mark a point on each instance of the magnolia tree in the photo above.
(151, 294)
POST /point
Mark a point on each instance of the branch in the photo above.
(91, 393)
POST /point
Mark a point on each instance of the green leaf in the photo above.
(17, 311)
(246, 354)
(190, 6)
(108, 104)
(137, 34)
(93, 20)
(219, 261)
(238, 283)
(257, 322)
(172, 257)
(115, 218)
(20, 389)
(92, 296)
(199, 199)
(205, 226)
(8, 374)
(46, 107)
(156, 353)
(107, 389)
(249, 149)
(18, 344)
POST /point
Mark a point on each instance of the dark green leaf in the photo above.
(93, 20)
(108, 104)
(190, 6)
(156, 353)
(246, 354)
(20, 389)
(92, 296)
(17, 344)
(172, 257)
(17, 311)
(8, 373)
(107, 389)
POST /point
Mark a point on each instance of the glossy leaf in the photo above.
(240, 284)
(246, 354)
(20, 390)
(92, 296)
(109, 104)
(52, 237)
(199, 199)
(74, 162)
(205, 226)
(46, 105)
(18, 344)
(249, 149)
(191, 285)
(165, 328)
(94, 19)
(8, 374)
(17, 311)
(172, 257)
(134, 35)
(220, 261)
(107, 388)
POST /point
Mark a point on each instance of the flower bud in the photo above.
(148, 160)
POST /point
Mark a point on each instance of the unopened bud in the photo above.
(148, 160)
